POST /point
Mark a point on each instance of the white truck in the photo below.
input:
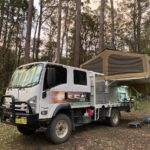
(58, 98)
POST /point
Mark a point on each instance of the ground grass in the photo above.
(7, 134)
(93, 136)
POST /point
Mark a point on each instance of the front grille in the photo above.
(21, 107)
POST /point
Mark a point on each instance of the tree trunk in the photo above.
(5, 31)
(134, 27)
(139, 26)
(20, 50)
(34, 40)
(77, 35)
(57, 54)
(2, 16)
(101, 30)
(28, 32)
(67, 44)
(65, 29)
(112, 26)
(39, 31)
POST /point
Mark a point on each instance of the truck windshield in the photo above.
(26, 76)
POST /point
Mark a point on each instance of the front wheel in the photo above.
(25, 130)
(59, 130)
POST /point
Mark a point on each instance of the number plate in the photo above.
(21, 120)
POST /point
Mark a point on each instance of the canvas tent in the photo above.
(118, 65)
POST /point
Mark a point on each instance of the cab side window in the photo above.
(58, 76)
(80, 77)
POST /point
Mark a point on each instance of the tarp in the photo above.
(117, 65)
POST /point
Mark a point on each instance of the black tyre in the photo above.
(59, 130)
(25, 130)
(114, 119)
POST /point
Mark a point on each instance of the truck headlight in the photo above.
(32, 102)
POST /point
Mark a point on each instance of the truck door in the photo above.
(54, 77)
(45, 97)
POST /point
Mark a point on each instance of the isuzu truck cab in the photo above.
(59, 98)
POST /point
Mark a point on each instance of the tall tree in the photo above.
(57, 54)
(139, 25)
(101, 28)
(112, 25)
(134, 17)
(39, 30)
(34, 39)
(77, 34)
(1, 15)
(28, 32)
(65, 29)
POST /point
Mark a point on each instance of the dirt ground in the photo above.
(95, 136)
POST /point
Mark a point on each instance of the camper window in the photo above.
(80, 77)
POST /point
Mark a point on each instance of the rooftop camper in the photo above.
(117, 65)
(58, 98)
(122, 68)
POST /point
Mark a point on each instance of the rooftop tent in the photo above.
(117, 65)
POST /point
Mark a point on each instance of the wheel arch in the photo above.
(62, 108)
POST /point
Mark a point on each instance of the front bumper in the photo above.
(12, 115)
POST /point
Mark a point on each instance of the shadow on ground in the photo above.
(95, 136)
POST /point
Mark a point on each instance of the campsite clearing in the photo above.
(93, 136)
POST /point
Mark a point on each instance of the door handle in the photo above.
(44, 94)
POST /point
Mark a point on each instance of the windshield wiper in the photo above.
(31, 84)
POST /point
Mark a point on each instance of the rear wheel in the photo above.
(114, 119)
(25, 130)
(59, 130)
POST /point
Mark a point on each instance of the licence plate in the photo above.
(22, 120)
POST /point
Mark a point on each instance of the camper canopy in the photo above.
(118, 65)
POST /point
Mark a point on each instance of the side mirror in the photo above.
(51, 77)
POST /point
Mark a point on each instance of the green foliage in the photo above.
(13, 18)
(137, 104)
(127, 26)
